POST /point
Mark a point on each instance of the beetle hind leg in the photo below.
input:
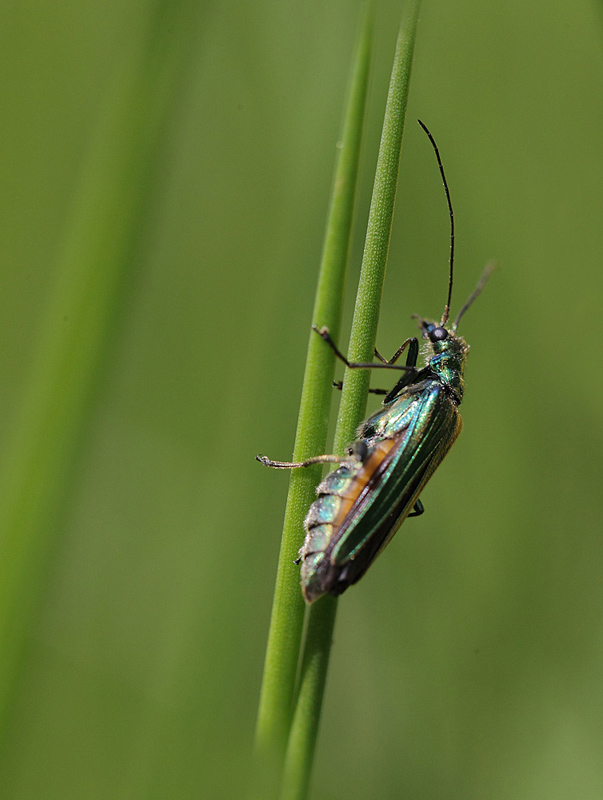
(326, 459)
(417, 509)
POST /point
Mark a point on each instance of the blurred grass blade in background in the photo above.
(77, 333)
(304, 729)
(283, 649)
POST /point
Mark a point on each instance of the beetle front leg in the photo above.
(325, 334)
(411, 364)
(413, 353)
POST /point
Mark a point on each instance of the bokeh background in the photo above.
(468, 664)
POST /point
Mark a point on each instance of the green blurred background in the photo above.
(468, 664)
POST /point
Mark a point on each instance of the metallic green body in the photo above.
(363, 502)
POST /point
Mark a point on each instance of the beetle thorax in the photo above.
(447, 359)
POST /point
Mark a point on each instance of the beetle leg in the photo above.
(417, 510)
(267, 462)
(413, 352)
(411, 363)
(324, 334)
(339, 385)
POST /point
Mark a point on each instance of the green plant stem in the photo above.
(304, 729)
(283, 648)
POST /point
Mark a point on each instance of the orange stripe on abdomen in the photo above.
(362, 478)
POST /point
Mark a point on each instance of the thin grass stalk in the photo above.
(304, 729)
(286, 624)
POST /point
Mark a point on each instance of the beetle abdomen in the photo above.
(364, 501)
(337, 495)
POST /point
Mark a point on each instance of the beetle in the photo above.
(362, 503)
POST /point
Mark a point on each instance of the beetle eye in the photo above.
(438, 334)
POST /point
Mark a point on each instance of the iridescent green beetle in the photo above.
(362, 503)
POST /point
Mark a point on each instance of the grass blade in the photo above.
(304, 729)
(78, 330)
(282, 653)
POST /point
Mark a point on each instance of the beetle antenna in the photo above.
(489, 269)
(446, 313)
